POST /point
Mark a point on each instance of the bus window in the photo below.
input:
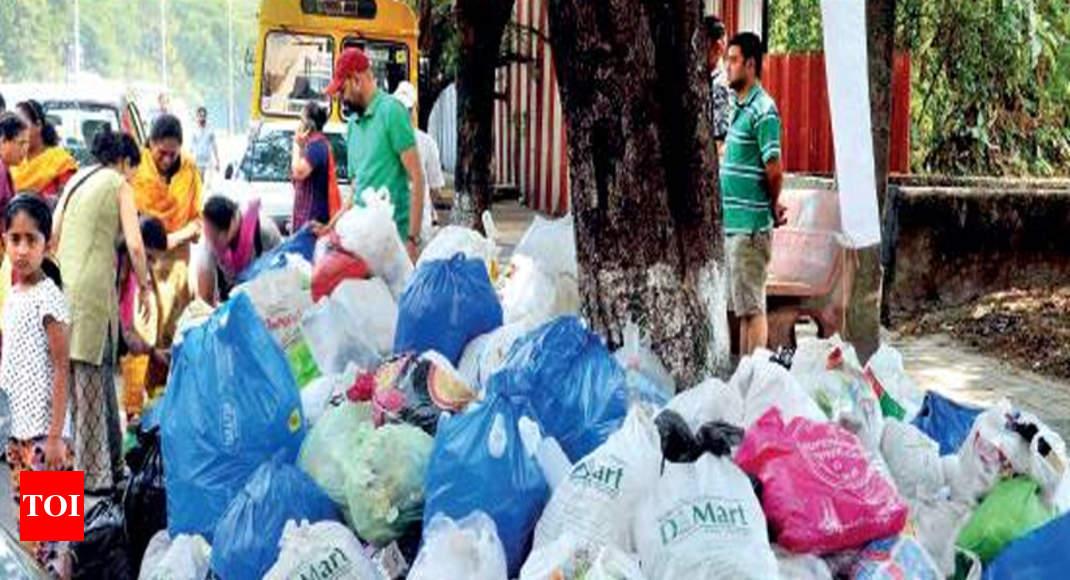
(352, 8)
(390, 60)
(297, 69)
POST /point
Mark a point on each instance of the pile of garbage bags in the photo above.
(347, 414)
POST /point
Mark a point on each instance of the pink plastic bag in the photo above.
(819, 492)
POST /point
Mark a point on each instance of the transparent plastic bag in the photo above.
(468, 548)
(354, 325)
(330, 444)
(384, 481)
(570, 558)
(552, 244)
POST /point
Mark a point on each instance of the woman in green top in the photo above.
(96, 207)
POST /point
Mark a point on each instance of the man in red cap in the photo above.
(381, 144)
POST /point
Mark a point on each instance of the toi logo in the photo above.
(52, 506)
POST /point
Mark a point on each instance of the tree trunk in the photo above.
(864, 310)
(435, 32)
(480, 26)
(644, 176)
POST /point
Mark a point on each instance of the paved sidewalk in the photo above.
(940, 364)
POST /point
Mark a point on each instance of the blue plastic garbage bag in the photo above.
(247, 537)
(946, 421)
(576, 387)
(231, 403)
(1038, 555)
(302, 243)
(446, 304)
(480, 463)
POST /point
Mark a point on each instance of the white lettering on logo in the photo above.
(62, 503)
(33, 503)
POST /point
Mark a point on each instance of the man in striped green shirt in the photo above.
(751, 178)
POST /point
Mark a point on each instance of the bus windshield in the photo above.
(389, 60)
(297, 69)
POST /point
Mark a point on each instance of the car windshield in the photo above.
(268, 156)
(78, 123)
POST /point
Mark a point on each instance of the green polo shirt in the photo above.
(375, 142)
(753, 140)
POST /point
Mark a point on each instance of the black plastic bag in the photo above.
(145, 501)
(104, 553)
(680, 445)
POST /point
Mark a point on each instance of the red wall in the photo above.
(797, 83)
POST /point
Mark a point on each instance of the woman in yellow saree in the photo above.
(47, 166)
(167, 186)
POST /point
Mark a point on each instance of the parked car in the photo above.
(80, 113)
(264, 168)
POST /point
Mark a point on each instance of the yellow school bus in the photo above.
(300, 40)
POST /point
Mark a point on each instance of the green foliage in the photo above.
(121, 41)
(795, 26)
(990, 80)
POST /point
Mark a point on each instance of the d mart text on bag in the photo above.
(713, 513)
(601, 477)
(335, 565)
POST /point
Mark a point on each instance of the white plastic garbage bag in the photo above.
(281, 297)
(321, 550)
(764, 384)
(317, 395)
(552, 244)
(336, 340)
(703, 522)
(370, 233)
(355, 324)
(997, 446)
(370, 306)
(570, 558)
(830, 372)
(937, 523)
(468, 549)
(184, 558)
(452, 240)
(596, 501)
(885, 371)
(913, 460)
(801, 566)
(710, 400)
(486, 353)
(529, 294)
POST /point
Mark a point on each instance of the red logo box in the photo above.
(52, 506)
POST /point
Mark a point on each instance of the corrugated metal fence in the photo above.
(531, 150)
(797, 84)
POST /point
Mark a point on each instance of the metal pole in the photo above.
(163, 41)
(230, 66)
(77, 42)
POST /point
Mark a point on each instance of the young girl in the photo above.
(34, 363)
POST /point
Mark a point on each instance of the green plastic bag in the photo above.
(384, 482)
(329, 447)
(1010, 510)
(303, 365)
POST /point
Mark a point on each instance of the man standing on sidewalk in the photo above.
(430, 161)
(751, 178)
(381, 145)
(205, 152)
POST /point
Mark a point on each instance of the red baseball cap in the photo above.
(350, 62)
